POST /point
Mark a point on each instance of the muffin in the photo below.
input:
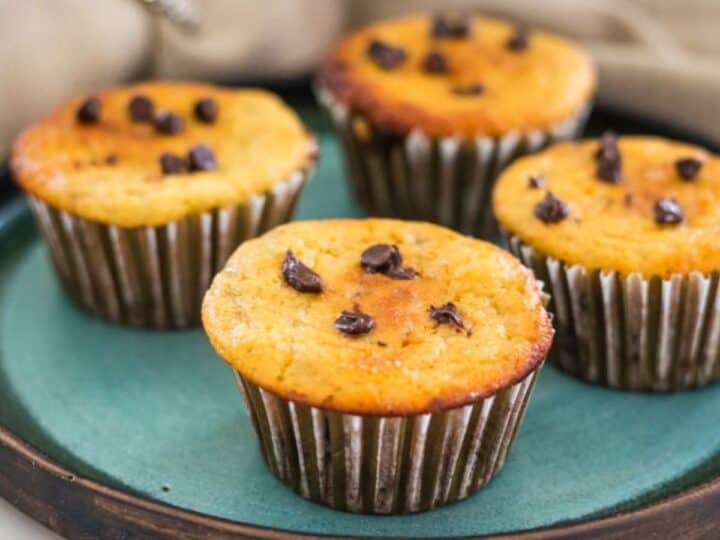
(142, 192)
(624, 232)
(430, 108)
(386, 365)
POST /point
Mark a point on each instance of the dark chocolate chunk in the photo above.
(608, 147)
(111, 159)
(435, 63)
(474, 89)
(141, 109)
(536, 182)
(609, 171)
(354, 323)
(380, 257)
(447, 314)
(300, 277)
(520, 39)
(668, 212)
(172, 163)
(551, 209)
(451, 25)
(386, 56)
(168, 123)
(609, 160)
(201, 158)
(206, 110)
(688, 168)
(89, 111)
(385, 259)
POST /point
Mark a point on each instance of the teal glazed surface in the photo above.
(156, 413)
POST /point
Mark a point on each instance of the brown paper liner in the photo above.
(445, 180)
(630, 332)
(155, 276)
(386, 464)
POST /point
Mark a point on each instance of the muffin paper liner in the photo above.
(386, 464)
(445, 180)
(630, 332)
(155, 276)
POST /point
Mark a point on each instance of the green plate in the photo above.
(155, 415)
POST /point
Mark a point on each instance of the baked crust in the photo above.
(612, 227)
(285, 341)
(548, 83)
(109, 172)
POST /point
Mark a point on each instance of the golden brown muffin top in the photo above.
(655, 210)
(448, 77)
(94, 157)
(411, 358)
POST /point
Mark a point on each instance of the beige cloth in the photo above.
(657, 58)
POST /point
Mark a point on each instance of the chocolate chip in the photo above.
(385, 259)
(520, 39)
(688, 168)
(551, 209)
(206, 110)
(201, 158)
(111, 159)
(474, 89)
(168, 123)
(386, 56)
(172, 163)
(609, 159)
(299, 276)
(536, 182)
(629, 198)
(380, 257)
(447, 314)
(668, 212)
(435, 63)
(609, 171)
(354, 323)
(89, 111)
(141, 109)
(453, 25)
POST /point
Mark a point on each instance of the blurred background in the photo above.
(657, 58)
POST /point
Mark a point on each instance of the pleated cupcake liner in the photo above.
(386, 464)
(445, 180)
(630, 332)
(155, 276)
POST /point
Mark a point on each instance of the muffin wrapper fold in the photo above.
(630, 332)
(155, 276)
(445, 180)
(386, 464)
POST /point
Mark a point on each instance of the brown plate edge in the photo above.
(80, 508)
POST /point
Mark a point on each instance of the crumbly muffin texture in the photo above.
(488, 78)
(457, 320)
(193, 148)
(628, 204)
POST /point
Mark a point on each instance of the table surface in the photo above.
(14, 525)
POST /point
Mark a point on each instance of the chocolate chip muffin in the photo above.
(624, 232)
(142, 192)
(430, 108)
(397, 351)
